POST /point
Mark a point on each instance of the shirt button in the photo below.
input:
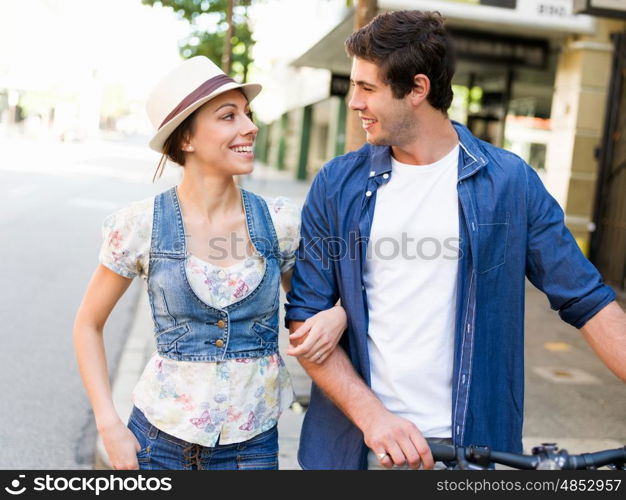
(219, 343)
(221, 324)
(385, 176)
(369, 193)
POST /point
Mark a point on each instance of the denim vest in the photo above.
(188, 329)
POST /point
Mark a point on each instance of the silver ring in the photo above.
(319, 355)
(380, 456)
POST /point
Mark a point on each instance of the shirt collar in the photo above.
(471, 157)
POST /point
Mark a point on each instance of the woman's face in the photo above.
(224, 134)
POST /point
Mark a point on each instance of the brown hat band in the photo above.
(203, 90)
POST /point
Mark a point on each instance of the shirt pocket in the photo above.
(266, 335)
(492, 244)
(168, 339)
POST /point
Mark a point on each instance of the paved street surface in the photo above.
(53, 198)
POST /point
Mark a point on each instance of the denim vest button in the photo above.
(221, 324)
(219, 343)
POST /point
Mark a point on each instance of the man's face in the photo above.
(387, 121)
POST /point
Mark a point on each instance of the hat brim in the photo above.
(251, 90)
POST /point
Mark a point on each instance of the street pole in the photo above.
(228, 50)
(364, 12)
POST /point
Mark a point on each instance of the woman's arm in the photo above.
(104, 290)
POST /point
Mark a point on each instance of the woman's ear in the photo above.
(421, 89)
(187, 147)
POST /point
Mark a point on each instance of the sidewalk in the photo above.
(570, 397)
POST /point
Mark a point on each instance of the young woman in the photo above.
(213, 256)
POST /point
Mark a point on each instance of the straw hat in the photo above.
(183, 90)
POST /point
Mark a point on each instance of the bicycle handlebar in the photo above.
(543, 457)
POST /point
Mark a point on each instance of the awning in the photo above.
(530, 18)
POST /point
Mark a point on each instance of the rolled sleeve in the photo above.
(313, 285)
(554, 262)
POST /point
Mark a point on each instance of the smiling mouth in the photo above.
(368, 122)
(247, 150)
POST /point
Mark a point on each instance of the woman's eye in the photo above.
(229, 116)
(250, 115)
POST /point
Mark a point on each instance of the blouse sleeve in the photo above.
(126, 240)
(286, 218)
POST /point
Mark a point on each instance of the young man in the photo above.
(426, 234)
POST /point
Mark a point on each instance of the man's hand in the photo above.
(397, 441)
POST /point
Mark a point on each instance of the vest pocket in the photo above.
(492, 241)
(265, 334)
(166, 340)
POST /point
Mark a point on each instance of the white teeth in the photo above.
(242, 149)
(367, 121)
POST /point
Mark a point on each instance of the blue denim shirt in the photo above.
(188, 329)
(509, 228)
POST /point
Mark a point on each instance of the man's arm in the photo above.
(313, 283)
(606, 334)
(383, 432)
(554, 262)
(555, 265)
(314, 288)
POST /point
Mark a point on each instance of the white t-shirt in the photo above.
(410, 279)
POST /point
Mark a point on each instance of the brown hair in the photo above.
(173, 145)
(406, 43)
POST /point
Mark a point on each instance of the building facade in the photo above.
(533, 76)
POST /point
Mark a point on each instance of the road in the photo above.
(53, 198)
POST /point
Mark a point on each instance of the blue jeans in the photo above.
(160, 450)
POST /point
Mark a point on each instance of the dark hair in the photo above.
(403, 44)
(173, 145)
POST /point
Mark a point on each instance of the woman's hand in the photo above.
(318, 335)
(121, 446)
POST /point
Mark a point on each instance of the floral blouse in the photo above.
(206, 402)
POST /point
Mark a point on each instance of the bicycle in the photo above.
(544, 457)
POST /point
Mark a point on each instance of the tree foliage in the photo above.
(210, 41)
